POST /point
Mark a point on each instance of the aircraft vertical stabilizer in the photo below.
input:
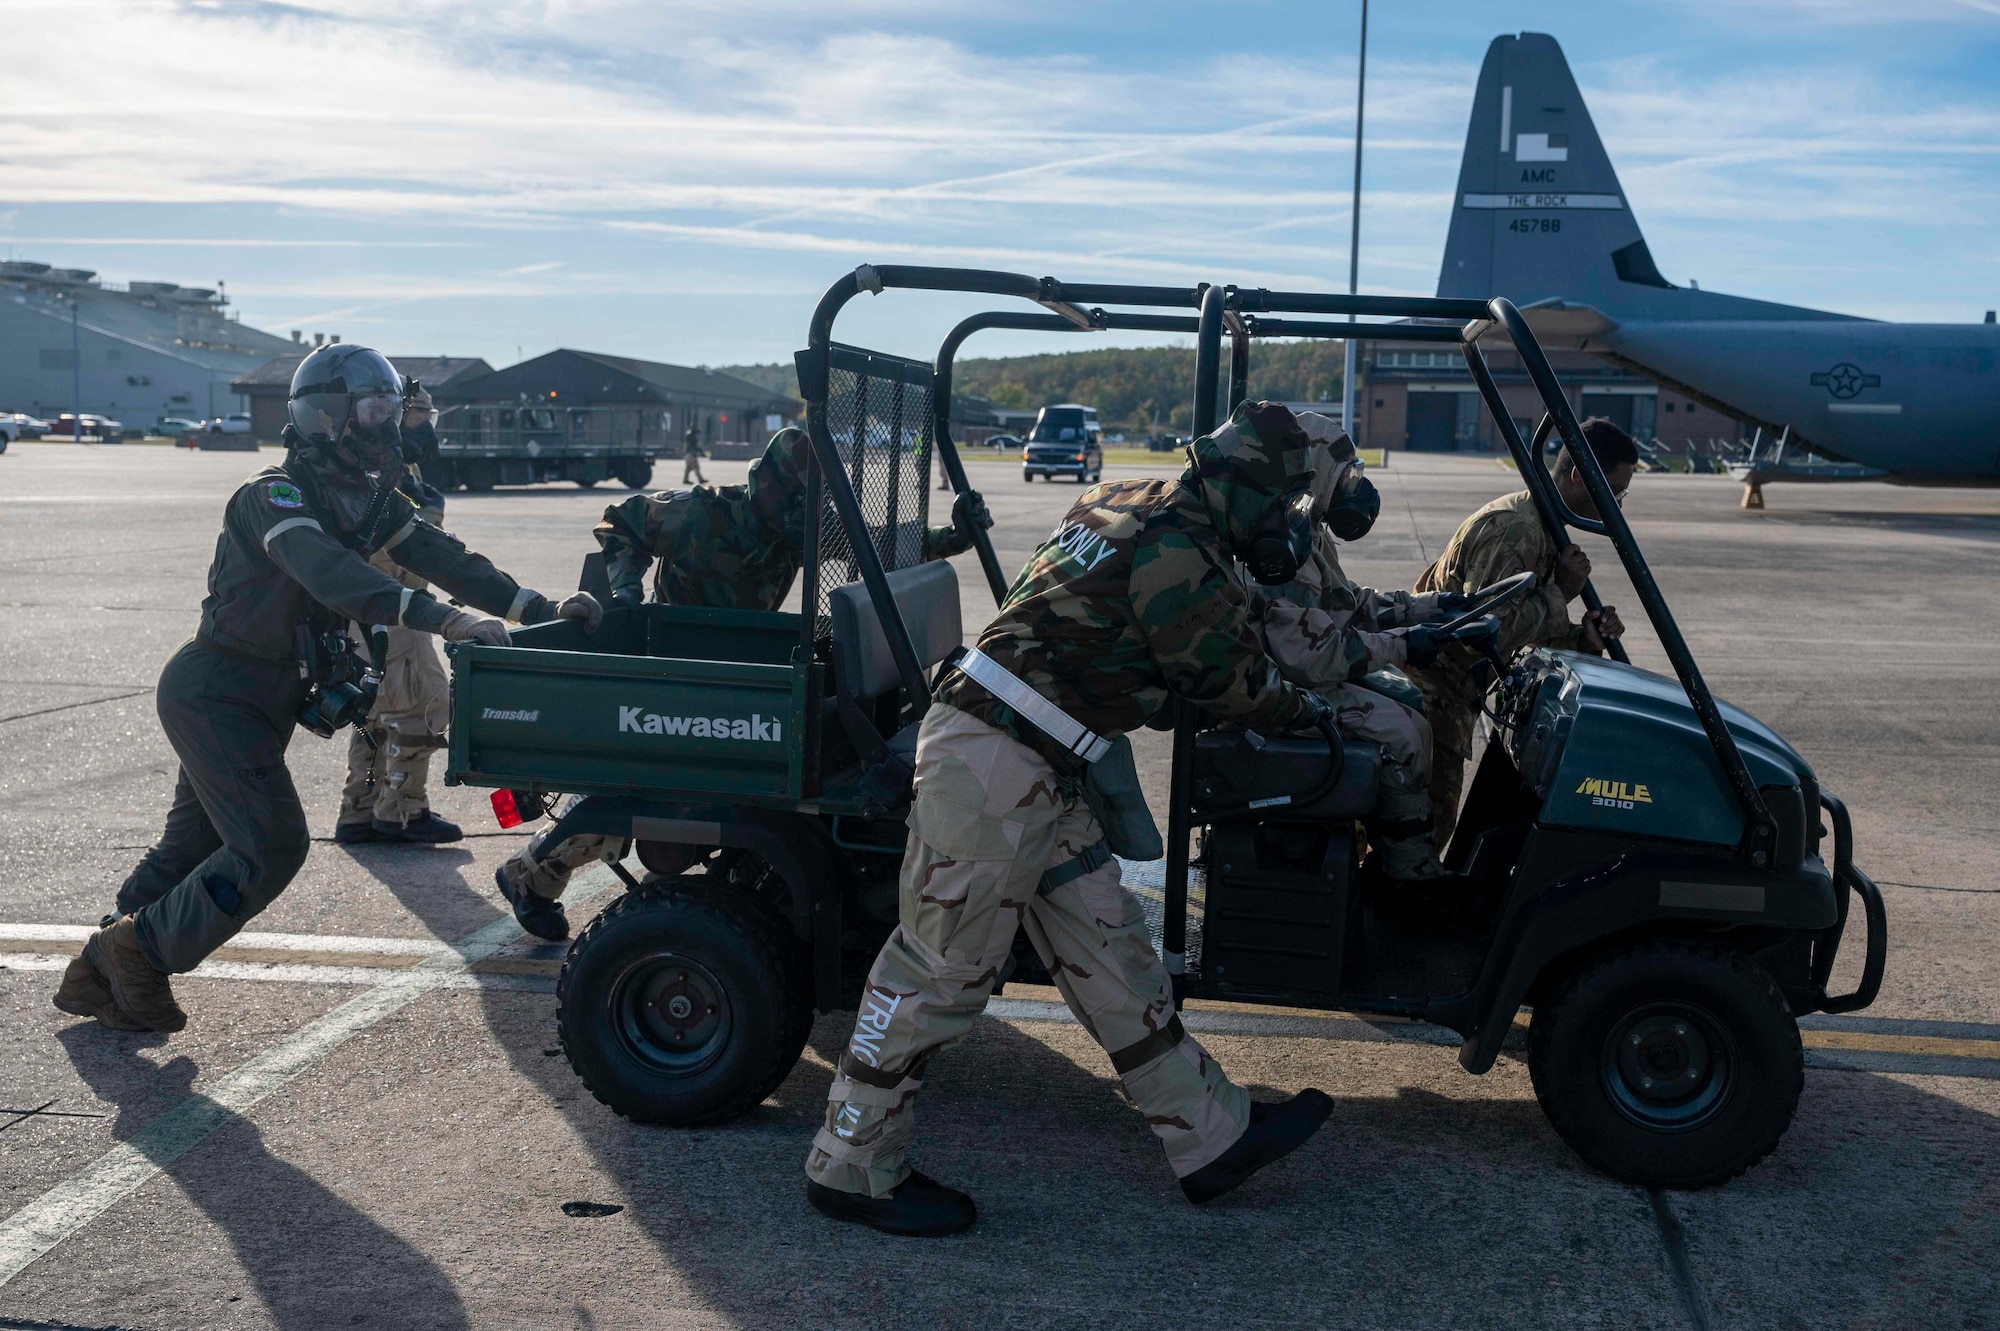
(1539, 212)
(1536, 191)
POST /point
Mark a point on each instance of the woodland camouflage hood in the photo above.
(1259, 458)
(776, 487)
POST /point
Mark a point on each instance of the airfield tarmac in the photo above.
(367, 1122)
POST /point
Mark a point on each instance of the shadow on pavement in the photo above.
(1978, 526)
(1442, 1201)
(429, 882)
(315, 1261)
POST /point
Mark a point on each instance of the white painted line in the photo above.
(305, 973)
(388, 947)
(97, 1187)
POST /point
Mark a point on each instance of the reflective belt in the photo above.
(1090, 860)
(1032, 707)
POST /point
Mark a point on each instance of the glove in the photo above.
(625, 598)
(969, 511)
(1423, 642)
(417, 407)
(1322, 713)
(464, 626)
(1452, 603)
(584, 608)
(1482, 635)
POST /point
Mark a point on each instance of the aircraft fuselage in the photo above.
(1921, 401)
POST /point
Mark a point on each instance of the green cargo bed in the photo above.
(663, 701)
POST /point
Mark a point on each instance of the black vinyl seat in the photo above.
(1235, 767)
(926, 596)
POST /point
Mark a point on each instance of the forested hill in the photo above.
(1134, 387)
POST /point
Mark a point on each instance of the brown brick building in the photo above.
(1419, 396)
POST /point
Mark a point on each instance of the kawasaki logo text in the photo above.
(767, 730)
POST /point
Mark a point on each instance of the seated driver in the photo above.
(730, 547)
(1326, 632)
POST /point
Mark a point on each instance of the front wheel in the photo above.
(683, 1004)
(1028, 476)
(1671, 1064)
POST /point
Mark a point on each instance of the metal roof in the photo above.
(434, 372)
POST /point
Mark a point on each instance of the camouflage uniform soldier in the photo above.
(1326, 633)
(388, 761)
(734, 547)
(1502, 539)
(1134, 598)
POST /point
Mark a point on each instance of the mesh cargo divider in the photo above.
(878, 412)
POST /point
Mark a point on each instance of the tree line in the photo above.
(1133, 388)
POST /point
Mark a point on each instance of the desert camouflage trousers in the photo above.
(388, 766)
(1404, 802)
(545, 869)
(986, 823)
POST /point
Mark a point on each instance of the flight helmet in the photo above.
(347, 402)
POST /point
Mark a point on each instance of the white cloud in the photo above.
(726, 134)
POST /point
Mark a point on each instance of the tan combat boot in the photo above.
(141, 993)
(84, 994)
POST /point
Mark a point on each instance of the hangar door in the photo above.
(1442, 420)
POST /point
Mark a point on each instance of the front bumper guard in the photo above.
(1850, 882)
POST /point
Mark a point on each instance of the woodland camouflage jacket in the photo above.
(1136, 595)
(733, 547)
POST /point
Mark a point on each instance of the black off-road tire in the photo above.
(683, 950)
(1670, 1064)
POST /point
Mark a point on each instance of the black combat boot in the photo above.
(424, 829)
(918, 1207)
(1275, 1131)
(539, 915)
(361, 834)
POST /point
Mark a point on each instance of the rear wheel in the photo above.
(635, 473)
(480, 476)
(683, 1004)
(1671, 1064)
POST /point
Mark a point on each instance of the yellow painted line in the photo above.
(550, 967)
(1936, 1046)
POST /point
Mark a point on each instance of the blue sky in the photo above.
(681, 181)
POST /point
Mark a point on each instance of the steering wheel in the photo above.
(1488, 599)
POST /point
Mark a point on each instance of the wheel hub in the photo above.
(672, 1012)
(1667, 1067)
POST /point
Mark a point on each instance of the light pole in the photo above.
(75, 377)
(1354, 236)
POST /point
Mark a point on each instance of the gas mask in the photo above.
(1355, 505)
(373, 438)
(1282, 543)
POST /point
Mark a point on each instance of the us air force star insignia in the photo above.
(1845, 380)
(283, 494)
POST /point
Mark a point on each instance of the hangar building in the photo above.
(136, 352)
(1419, 396)
(267, 387)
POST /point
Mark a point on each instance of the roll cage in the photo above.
(847, 406)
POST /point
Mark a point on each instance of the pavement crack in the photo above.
(1687, 1289)
(64, 707)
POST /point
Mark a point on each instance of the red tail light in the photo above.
(505, 809)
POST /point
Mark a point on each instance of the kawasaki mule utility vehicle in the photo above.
(1653, 865)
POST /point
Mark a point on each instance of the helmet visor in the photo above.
(377, 408)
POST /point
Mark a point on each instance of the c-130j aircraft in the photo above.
(1539, 217)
